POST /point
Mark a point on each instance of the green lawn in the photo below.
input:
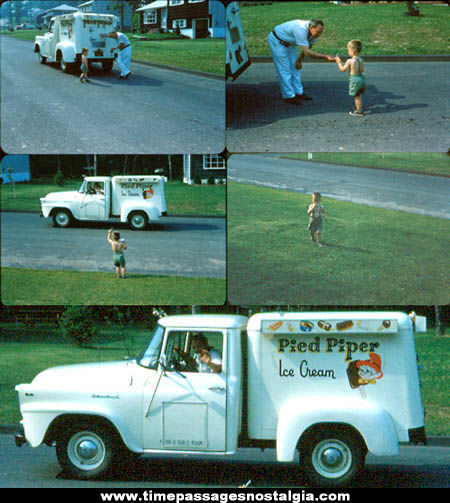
(382, 28)
(206, 55)
(182, 199)
(372, 256)
(415, 162)
(27, 350)
(41, 287)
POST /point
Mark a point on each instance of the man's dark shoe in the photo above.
(303, 97)
(293, 101)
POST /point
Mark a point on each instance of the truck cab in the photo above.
(68, 34)
(327, 387)
(136, 200)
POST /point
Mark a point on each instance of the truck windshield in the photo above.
(82, 188)
(150, 355)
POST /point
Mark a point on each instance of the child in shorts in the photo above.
(357, 81)
(316, 211)
(118, 247)
(84, 66)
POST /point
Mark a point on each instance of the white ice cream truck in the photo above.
(329, 386)
(136, 200)
(68, 34)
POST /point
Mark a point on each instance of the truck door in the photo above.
(186, 409)
(47, 41)
(237, 58)
(93, 204)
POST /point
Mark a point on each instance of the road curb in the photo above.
(180, 69)
(394, 58)
(433, 440)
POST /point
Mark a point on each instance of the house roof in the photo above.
(86, 3)
(159, 4)
(63, 7)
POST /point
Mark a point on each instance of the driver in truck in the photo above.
(206, 359)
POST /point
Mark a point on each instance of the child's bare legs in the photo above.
(312, 236)
(118, 270)
(123, 271)
(358, 102)
(318, 238)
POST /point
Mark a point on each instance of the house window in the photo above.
(213, 161)
(179, 23)
(196, 1)
(176, 2)
(150, 17)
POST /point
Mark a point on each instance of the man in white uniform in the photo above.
(283, 42)
(124, 55)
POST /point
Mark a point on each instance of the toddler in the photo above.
(84, 66)
(315, 212)
(355, 65)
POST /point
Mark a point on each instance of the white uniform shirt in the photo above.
(122, 39)
(295, 32)
(215, 358)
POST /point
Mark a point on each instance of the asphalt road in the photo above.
(421, 194)
(407, 105)
(156, 111)
(178, 246)
(415, 467)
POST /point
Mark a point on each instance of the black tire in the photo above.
(137, 221)
(65, 67)
(332, 456)
(42, 59)
(62, 218)
(87, 451)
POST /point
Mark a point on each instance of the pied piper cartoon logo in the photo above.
(363, 372)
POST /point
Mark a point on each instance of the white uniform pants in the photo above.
(284, 59)
(124, 60)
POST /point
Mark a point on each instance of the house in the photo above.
(192, 18)
(20, 166)
(123, 10)
(204, 167)
(43, 18)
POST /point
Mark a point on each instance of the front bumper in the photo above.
(417, 435)
(19, 437)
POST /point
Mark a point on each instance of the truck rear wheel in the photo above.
(86, 451)
(65, 67)
(62, 218)
(137, 221)
(332, 456)
(107, 65)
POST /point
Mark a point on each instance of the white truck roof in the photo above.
(207, 321)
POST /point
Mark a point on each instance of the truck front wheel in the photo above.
(62, 218)
(137, 221)
(332, 456)
(85, 451)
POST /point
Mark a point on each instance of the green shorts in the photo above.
(357, 85)
(315, 224)
(119, 260)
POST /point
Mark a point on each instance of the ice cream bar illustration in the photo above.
(344, 325)
(276, 325)
(306, 326)
(363, 372)
(325, 325)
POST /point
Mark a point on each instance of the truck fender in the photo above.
(373, 424)
(52, 420)
(37, 47)
(148, 208)
(68, 51)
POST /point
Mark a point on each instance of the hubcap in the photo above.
(86, 450)
(62, 219)
(138, 221)
(332, 458)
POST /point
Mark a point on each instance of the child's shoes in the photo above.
(357, 113)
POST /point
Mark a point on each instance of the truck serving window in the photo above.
(150, 355)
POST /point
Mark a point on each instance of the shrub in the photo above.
(77, 324)
(58, 179)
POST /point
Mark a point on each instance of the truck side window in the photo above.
(194, 351)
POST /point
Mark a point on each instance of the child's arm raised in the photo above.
(342, 67)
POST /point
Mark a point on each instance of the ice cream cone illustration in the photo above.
(363, 372)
